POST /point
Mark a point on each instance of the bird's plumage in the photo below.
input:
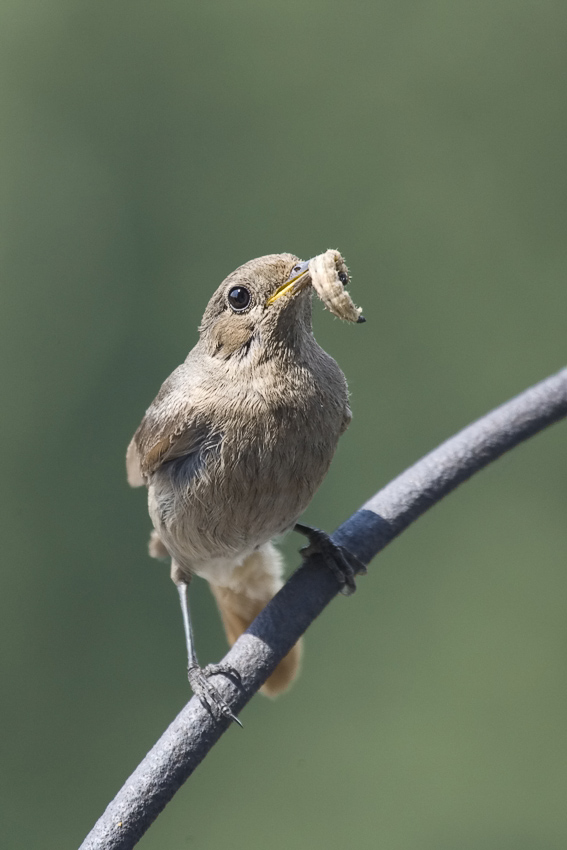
(239, 438)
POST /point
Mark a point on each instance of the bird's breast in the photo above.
(253, 481)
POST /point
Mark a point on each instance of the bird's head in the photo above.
(262, 308)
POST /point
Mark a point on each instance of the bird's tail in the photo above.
(252, 585)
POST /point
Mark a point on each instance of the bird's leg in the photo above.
(343, 564)
(199, 676)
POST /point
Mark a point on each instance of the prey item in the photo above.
(234, 446)
(329, 276)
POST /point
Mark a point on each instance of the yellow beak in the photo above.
(299, 280)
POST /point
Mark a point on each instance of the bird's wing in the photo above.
(133, 465)
(147, 452)
(169, 430)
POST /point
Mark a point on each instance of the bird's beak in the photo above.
(297, 281)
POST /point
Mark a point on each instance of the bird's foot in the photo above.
(207, 693)
(342, 563)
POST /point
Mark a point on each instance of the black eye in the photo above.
(343, 277)
(239, 298)
(296, 269)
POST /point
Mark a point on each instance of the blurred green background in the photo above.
(147, 149)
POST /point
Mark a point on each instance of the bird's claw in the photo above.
(206, 692)
(342, 563)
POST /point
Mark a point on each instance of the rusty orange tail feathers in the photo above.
(253, 584)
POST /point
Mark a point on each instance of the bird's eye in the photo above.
(239, 298)
(296, 269)
(343, 277)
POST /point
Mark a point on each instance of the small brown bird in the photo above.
(234, 446)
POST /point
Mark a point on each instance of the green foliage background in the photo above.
(147, 149)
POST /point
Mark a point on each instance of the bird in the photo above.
(235, 445)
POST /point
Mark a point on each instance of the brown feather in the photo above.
(238, 609)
